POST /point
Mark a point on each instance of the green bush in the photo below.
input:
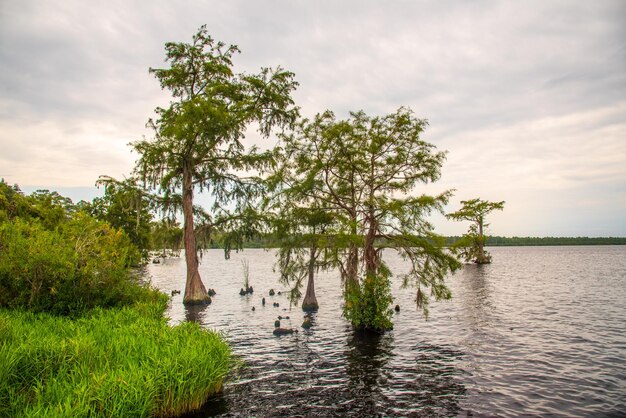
(56, 258)
(79, 265)
(125, 362)
(368, 305)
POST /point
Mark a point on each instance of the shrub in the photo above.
(79, 265)
(368, 305)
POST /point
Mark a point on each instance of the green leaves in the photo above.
(475, 210)
(55, 257)
(202, 130)
(368, 306)
(362, 174)
(125, 205)
(197, 142)
(471, 246)
(193, 66)
(81, 264)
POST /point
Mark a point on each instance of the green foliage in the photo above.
(57, 259)
(363, 173)
(121, 362)
(49, 208)
(471, 245)
(34, 264)
(302, 235)
(197, 143)
(166, 234)
(475, 210)
(12, 202)
(430, 264)
(468, 247)
(200, 132)
(125, 206)
(66, 270)
(368, 307)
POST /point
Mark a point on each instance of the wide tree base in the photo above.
(365, 331)
(310, 307)
(202, 300)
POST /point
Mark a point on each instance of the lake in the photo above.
(540, 331)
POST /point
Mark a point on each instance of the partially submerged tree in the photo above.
(364, 171)
(302, 234)
(301, 226)
(307, 157)
(472, 245)
(197, 144)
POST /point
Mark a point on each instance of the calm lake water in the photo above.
(541, 331)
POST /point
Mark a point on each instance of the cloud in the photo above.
(574, 150)
(49, 153)
(527, 97)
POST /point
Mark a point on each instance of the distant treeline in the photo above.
(495, 241)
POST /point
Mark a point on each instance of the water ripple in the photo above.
(538, 332)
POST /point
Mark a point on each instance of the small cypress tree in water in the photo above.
(472, 245)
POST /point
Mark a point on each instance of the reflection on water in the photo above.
(363, 379)
(539, 332)
(195, 313)
(438, 364)
(476, 298)
(367, 355)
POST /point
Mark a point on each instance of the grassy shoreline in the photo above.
(110, 362)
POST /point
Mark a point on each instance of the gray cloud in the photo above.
(527, 97)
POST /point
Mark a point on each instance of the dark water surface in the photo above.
(541, 331)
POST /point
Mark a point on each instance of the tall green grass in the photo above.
(116, 363)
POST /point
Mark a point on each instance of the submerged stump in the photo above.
(283, 331)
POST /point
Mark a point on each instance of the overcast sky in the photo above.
(528, 98)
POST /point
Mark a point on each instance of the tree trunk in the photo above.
(353, 265)
(482, 258)
(369, 251)
(195, 292)
(310, 301)
(352, 270)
